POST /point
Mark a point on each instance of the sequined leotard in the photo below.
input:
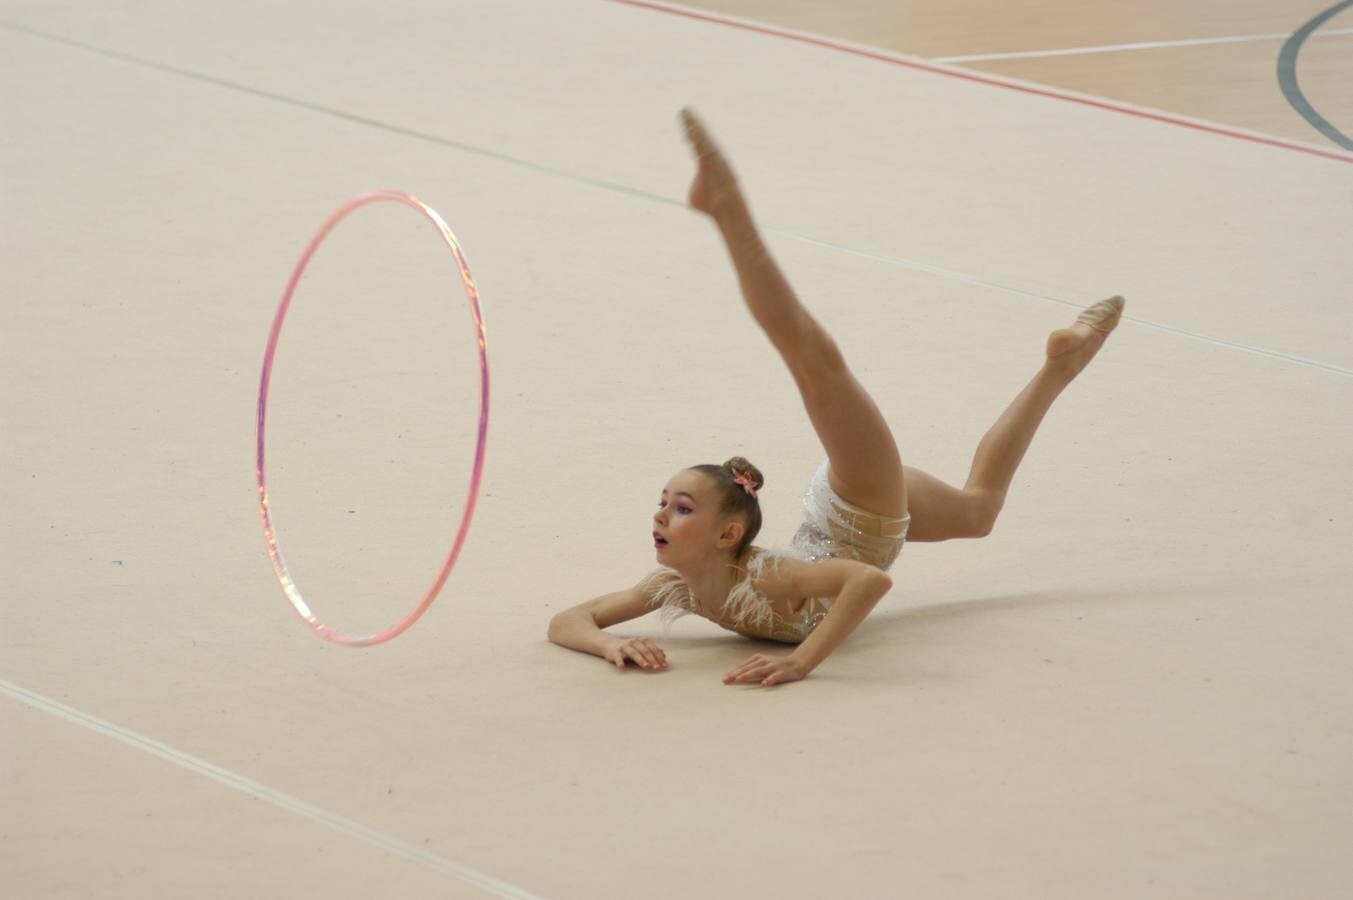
(831, 529)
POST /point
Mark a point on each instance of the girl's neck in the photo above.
(710, 582)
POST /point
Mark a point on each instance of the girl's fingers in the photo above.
(646, 654)
(745, 667)
(758, 668)
(768, 670)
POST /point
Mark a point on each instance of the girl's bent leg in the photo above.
(940, 512)
(865, 467)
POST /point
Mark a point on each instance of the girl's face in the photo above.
(688, 525)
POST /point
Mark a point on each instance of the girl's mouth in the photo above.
(659, 541)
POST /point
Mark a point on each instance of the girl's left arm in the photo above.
(861, 589)
(855, 586)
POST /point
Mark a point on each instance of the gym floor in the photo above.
(1137, 686)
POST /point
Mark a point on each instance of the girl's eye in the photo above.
(683, 509)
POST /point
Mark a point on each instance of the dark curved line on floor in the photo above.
(898, 59)
(1287, 76)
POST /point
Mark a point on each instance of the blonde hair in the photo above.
(734, 497)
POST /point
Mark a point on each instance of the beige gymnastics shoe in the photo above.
(1072, 348)
(715, 186)
(1104, 315)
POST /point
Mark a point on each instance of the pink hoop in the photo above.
(284, 578)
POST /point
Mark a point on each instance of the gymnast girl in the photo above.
(860, 505)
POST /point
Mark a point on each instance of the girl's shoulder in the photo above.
(773, 573)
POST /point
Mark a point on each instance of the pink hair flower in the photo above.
(748, 483)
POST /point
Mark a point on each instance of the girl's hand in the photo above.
(643, 651)
(768, 670)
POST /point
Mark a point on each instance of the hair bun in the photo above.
(739, 465)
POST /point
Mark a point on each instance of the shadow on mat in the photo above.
(894, 625)
(891, 628)
(882, 627)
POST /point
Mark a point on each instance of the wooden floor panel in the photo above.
(1233, 84)
(952, 27)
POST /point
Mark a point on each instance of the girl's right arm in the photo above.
(580, 628)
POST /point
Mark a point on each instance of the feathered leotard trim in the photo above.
(745, 609)
(832, 528)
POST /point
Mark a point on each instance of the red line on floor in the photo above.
(883, 56)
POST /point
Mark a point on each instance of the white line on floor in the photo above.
(966, 278)
(647, 195)
(1146, 45)
(263, 792)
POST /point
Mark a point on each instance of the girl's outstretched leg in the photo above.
(940, 512)
(865, 467)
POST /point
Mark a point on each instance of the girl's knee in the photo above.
(984, 508)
